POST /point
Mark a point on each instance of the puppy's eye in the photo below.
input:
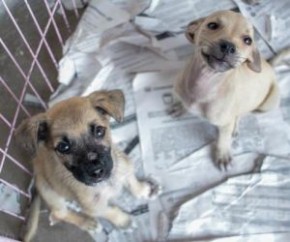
(98, 131)
(101, 110)
(213, 25)
(63, 147)
(248, 40)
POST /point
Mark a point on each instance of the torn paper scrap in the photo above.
(9, 200)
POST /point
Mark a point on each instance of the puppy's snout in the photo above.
(227, 47)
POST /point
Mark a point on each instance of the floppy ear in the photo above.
(254, 61)
(109, 102)
(32, 131)
(192, 27)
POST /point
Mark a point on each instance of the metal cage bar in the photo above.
(34, 64)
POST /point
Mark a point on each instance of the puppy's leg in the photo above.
(140, 189)
(223, 150)
(60, 212)
(116, 216)
(82, 221)
(112, 213)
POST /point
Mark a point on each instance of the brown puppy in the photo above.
(75, 160)
(226, 77)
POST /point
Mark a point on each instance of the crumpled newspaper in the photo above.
(118, 42)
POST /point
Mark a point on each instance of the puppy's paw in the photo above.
(91, 225)
(148, 189)
(144, 191)
(122, 220)
(223, 159)
(133, 226)
(53, 220)
(176, 110)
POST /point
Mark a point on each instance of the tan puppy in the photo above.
(226, 77)
(75, 160)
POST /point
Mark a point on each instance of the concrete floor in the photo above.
(10, 226)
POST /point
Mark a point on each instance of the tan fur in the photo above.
(222, 97)
(56, 184)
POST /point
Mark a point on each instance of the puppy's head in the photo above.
(76, 133)
(225, 41)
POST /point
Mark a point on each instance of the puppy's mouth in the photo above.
(98, 175)
(220, 64)
(89, 175)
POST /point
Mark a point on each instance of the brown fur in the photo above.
(56, 184)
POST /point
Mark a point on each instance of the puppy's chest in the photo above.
(215, 111)
(92, 197)
(198, 85)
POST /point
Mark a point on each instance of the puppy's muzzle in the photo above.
(92, 168)
(221, 56)
(98, 169)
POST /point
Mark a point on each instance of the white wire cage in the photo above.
(32, 35)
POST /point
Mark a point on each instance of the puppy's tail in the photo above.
(281, 58)
(32, 219)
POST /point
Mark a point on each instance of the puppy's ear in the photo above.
(109, 102)
(32, 131)
(192, 27)
(254, 61)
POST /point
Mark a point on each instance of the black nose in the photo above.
(98, 172)
(227, 47)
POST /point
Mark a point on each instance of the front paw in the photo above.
(91, 225)
(53, 220)
(148, 189)
(144, 191)
(223, 159)
(122, 220)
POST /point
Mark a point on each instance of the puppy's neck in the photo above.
(201, 82)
